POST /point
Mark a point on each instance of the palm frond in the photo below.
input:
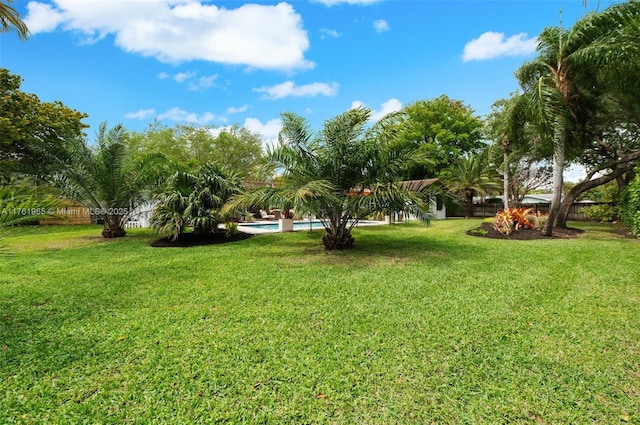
(10, 18)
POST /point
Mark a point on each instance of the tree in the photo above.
(469, 176)
(528, 175)
(194, 200)
(32, 133)
(341, 174)
(518, 151)
(555, 82)
(10, 19)
(159, 138)
(105, 178)
(233, 148)
(631, 205)
(613, 159)
(611, 130)
(444, 129)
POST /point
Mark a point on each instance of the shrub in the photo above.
(539, 219)
(511, 219)
(602, 213)
(231, 228)
(631, 206)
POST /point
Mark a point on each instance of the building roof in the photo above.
(418, 185)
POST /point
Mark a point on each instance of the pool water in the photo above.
(297, 225)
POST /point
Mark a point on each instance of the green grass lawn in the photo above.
(415, 325)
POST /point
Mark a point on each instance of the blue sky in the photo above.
(234, 62)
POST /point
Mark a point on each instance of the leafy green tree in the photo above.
(555, 82)
(233, 148)
(10, 19)
(444, 129)
(470, 176)
(341, 174)
(160, 138)
(194, 200)
(32, 133)
(106, 179)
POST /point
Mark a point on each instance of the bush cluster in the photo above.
(511, 219)
(630, 213)
(602, 213)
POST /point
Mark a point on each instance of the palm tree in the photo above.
(341, 174)
(105, 179)
(194, 200)
(470, 176)
(506, 125)
(18, 204)
(10, 19)
(554, 82)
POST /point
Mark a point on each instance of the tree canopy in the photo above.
(574, 68)
(233, 148)
(444, 129)
(32, 133)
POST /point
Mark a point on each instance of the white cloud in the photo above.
(42, 17)
(181, 77)
(494, 44)
(163, 75)
(142, 114)
(203, 83)
(236, 110)
(381, 26)
(255, 35)
(176, 114)
(391, 105)
(180, 115)
(269, 130)
(289, 88)
(326, 33)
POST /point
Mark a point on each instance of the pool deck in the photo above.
(250, 227)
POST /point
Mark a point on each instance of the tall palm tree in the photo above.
(555, 81)
(470, 176)
(105, 179)
(10, 19)
(341, 174)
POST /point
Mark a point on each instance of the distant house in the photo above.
(529, 199)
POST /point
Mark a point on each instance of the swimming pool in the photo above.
(297, 225)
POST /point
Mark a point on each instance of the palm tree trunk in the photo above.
(339, 239)
(558, 169)
(113, 227)
(505, 176)
(469, 195)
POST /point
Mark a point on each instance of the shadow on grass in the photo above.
(375, 245)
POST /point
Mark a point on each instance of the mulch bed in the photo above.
(191, 239)
(523, 234)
